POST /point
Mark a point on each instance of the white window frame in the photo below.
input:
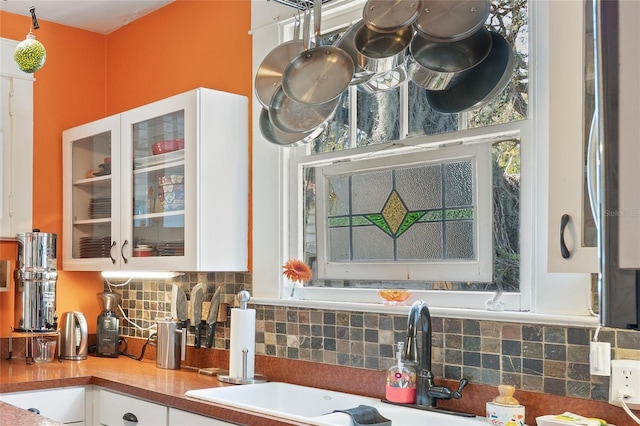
(560, 299)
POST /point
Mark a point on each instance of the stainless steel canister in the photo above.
(36, 275)
(171, 346)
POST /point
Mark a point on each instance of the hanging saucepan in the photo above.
(437, 65)
(269, 74)
(319, 74)
(389, 16)
(481, 84)
(451, 20)
(345, 42)
(292, 116)
(286, 139)
(382, 52)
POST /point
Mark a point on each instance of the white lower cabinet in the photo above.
(184, 418)
(64, 405)
(115, 409)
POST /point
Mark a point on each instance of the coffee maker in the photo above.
(108, 325)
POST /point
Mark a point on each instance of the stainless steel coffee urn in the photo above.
(36, 275)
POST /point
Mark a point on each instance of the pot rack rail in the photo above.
(299, 4)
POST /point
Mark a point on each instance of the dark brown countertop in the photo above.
(140, 379)
(11, 415)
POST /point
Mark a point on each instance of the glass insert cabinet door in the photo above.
(157, 180)
(91, 177)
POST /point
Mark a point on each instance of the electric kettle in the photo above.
(73, 337)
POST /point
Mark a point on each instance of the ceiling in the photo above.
(100, 16)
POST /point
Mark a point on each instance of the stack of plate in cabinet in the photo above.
(95, 247)
(170, 248)
(100, 208)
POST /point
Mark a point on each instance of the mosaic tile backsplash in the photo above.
(537, 358)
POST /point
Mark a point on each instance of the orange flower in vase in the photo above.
(296, 271)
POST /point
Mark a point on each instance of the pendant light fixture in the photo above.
(30, 54)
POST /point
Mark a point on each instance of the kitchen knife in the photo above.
(213, 315)
(174, 299)
(182, 310)
(197, 295)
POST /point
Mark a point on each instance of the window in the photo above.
(361, 132)
(420, 219)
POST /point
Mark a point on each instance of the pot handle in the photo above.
(306, 30)
(317, 14)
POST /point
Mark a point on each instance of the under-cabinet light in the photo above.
(149, 275)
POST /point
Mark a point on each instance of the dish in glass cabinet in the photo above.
(167, 146)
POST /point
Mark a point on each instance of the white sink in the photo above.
(315, 406)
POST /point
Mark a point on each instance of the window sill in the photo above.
(477, 314)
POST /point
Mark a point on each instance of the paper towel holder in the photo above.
(224, 376)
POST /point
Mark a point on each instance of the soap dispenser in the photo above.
(401, 380)
(505, 410)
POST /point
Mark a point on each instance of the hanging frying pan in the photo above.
(269, 74)
(451, 20)
(319, 74)
(285, 139)
(292, 116)
(481, 84)
(389, 16)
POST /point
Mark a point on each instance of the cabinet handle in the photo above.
(130, 417)
(122, 251)
(113, 259)
(563, 246)
(34, 410)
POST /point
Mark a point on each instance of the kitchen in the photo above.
(89, 76)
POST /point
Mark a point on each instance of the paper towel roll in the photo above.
(243, 336)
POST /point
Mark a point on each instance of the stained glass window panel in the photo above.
(399, 215)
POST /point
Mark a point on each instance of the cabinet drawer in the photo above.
(184, 418)
(111, 409)
(64, 405)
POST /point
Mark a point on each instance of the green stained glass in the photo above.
(360, 221)
(379, 221)
(432, 216)
(338, 221)
(457, 214)
(410, 219)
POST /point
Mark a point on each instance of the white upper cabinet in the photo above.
(162, 187)
(572, 232)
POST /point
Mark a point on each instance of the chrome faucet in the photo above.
(419, 327)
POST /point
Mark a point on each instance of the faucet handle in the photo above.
(458, 394)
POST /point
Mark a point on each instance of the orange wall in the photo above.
(87, 76)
